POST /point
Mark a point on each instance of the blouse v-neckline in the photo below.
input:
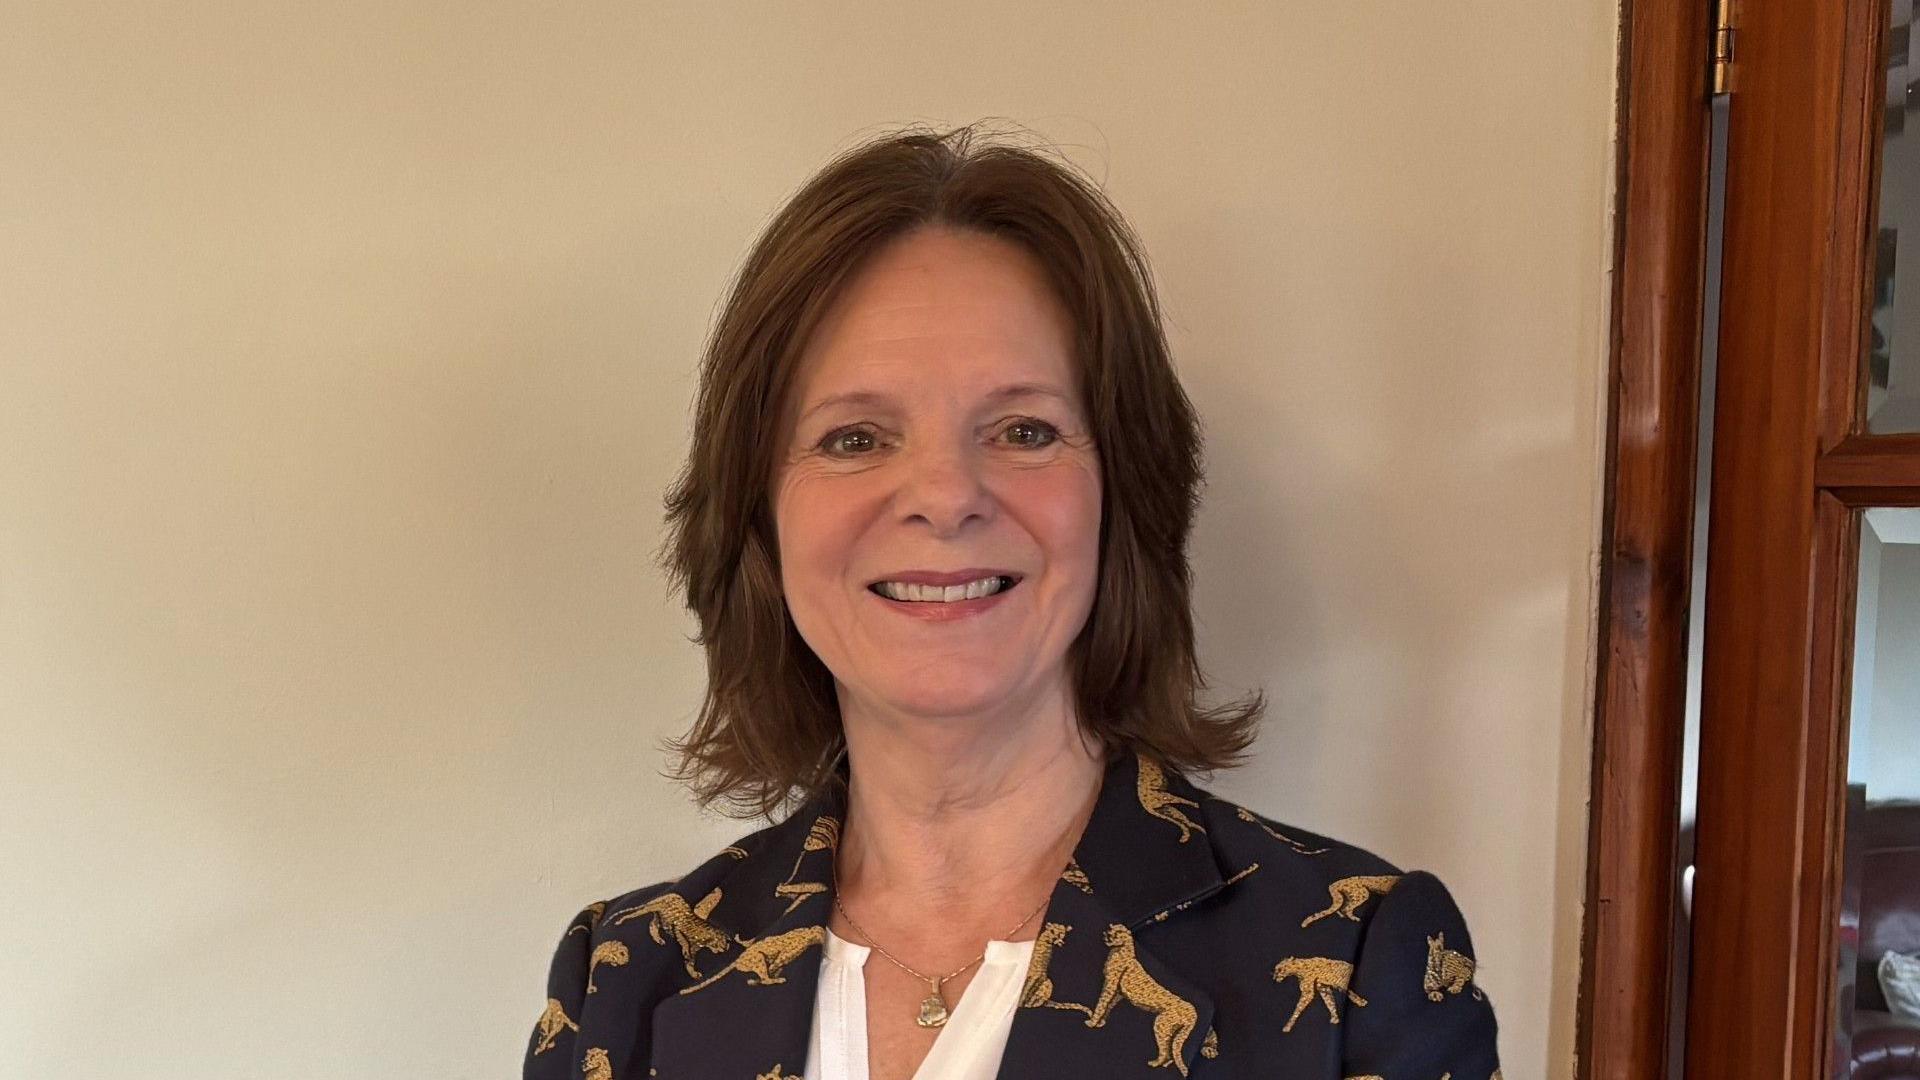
(969, 1045)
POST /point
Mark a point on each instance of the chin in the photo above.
(938, 700)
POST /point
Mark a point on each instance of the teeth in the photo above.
(900, 590)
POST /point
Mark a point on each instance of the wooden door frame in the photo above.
(1659, 258)
(1803, 140)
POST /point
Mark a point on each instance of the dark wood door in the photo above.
(1795, 464)
(1804, 445)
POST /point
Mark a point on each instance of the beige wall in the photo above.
(346, 353)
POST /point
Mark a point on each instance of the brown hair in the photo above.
(769, 727)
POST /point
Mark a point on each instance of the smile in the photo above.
(989, 594)
(908, 592)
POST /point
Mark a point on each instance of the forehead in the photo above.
(959, 308)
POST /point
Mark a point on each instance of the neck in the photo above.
(968, 819)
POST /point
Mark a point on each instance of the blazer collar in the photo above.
(1142, 857)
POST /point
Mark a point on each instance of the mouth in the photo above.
(913, 593)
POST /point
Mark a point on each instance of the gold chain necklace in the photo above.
(933, 1010)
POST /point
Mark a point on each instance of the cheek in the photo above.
(816, 528)
(1063, 511)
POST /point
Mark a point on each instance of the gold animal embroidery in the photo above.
(776, 1074)
(1349, 893)
(1038, 991)
(823, 836)
(1076, 877)
(593, 918)
(688, 925)
(797, 892)
(1161, 803)
(1252, 818)
(1317, 975)
(610, 953)
(596, 1066)
(553, 1021)
(1174, 1017)
(1447, 971)
(767, 957)
(734, 850)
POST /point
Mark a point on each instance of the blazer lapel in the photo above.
(751, 1017)
(1099, 1000)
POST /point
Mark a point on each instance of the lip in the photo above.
(951, 577)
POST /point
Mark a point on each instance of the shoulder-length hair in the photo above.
(769, 727)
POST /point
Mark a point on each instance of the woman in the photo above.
(934, 527)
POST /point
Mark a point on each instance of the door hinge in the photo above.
(1722, 47)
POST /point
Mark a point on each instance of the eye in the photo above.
(1047, 432)
(835, 442)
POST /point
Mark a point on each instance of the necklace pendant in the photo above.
(933, 1011)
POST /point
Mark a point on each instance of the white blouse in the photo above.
(970, 1043)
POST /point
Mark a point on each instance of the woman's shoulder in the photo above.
(1243, 835)
(699, 888)
(1315, 882)
(1338, 911)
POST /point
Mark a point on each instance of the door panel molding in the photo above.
(1647, 538)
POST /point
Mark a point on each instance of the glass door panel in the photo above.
(1877, 975)
(1893, 350)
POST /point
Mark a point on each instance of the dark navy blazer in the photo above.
(1188, 936)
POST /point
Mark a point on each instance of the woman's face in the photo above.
(967, 450)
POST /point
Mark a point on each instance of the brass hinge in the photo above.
(1722, 47)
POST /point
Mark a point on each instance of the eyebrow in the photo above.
(871, 397)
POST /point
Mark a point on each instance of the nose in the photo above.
(944, 484)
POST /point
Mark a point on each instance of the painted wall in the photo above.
(347, 351)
